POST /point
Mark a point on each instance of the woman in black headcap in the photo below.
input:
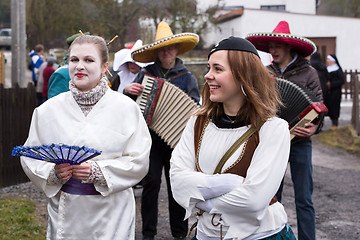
(233, 153)
(334, 85)
(319, 65)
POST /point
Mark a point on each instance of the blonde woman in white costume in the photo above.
(93, 200)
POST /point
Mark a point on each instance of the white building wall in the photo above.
(301, 6)
(345, 30)
(294, 6)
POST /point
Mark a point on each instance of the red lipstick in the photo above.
(80, 75)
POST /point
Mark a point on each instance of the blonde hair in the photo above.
(262, 97)
(99, 42)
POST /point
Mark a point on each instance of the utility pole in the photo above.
(18, 44)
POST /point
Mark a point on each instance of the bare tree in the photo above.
(113, 17)
(156, 10)
(181, 15)
(49, 22)
(4, 13)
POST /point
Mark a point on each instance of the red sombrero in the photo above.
(281, 33)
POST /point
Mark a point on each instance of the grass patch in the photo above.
(343, 137)
(18, 220)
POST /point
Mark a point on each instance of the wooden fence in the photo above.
(351, 90)
(348, 87)
(16, 107)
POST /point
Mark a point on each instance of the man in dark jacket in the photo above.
(323, 74)
(163, 52)
(288, 52)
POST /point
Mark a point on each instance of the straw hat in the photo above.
(281, 34)
(124, 55)
(165, 37)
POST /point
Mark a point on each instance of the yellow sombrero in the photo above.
(165, 37)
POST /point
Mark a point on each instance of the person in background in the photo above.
(40, 84)
(125, 67)
(333, 89)
(235, 192)
(93, 199)
(317, 63)
(37, 60)
(126, 70)
(59, 80)
(46, 73)
(163, 52)
(289, 54)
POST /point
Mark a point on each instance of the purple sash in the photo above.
(74, 186)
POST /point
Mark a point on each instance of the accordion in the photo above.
(300, 105)
(166, 108)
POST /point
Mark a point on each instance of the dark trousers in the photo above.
(40, 99)
(160, 155)
(301, 174)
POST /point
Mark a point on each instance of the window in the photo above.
(280, 8)
(5, 32)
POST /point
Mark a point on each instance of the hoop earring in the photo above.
(243, 91)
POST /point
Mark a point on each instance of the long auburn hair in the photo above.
(262, 98)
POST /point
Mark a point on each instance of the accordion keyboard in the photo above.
(148, 97)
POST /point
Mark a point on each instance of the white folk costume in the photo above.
(114, 126)
(240, 205)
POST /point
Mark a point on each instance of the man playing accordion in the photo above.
(163, 52)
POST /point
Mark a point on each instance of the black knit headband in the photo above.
(235, 43)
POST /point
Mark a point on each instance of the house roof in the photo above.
(229, 15)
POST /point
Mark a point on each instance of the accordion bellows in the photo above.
(166, 108)
(300, 105)
(56, 153)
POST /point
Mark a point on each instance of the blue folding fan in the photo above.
(56, 153)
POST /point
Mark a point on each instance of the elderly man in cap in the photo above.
(288, 52)
(163, 52)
